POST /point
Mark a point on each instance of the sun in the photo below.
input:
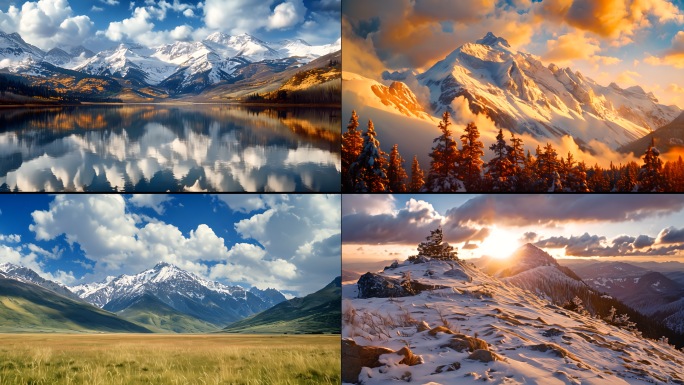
(500, 244)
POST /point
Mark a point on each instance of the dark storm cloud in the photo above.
(525, 210)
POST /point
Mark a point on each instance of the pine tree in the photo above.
(500, 170)
(396, 174)
(628, 177)
(471, 158)
(597, 180)
(369, 171)
(547, 166)
(650, 178)
(352, 144)
(442, 176)
(417, 177)
(516, 156)
(435, 248)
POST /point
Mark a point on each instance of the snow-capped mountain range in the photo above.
(465, 326)
(183, 291)
(186, 292)
(519, 93)
(178, 66)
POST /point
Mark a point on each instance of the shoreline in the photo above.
(175, 103)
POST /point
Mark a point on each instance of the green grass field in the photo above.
(102, 359)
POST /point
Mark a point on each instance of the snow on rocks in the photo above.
(473, 328)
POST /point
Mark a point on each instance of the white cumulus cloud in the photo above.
(47, 23)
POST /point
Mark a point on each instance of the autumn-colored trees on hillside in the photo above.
(366, 168)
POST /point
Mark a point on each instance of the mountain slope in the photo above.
(520, 338)
(28, 307)
(16, 54)
(532, 269)
(521, 94)
(27, 275)
(155, 315)
(318, 312)
(666, 138)
(178, 68)
(185, 292)
(649, 292)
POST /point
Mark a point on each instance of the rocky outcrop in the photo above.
(355, 357)
(377, 286)
(484, 356)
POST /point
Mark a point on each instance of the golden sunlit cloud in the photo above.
(628, 78)
(675, 88)
(571, 46)
(617, 19)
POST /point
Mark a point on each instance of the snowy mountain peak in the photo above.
(217, 37)
(533, 255)
(492, 40)
(27, 275)
(182, 290)
(520, 93)
(161, 264)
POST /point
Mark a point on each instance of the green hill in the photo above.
(157, 316)
(26, 307)
(319, 312)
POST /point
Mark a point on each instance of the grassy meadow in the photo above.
(165, 359)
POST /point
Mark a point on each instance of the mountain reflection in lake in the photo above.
(169, 148)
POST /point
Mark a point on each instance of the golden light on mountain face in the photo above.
(499, 244)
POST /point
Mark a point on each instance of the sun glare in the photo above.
(500, 244)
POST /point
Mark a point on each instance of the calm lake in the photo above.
(170, 148)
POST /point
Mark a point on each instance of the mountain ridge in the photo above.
(179, 67)
(518, 92)
(318, 312)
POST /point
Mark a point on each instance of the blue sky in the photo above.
(629, 227)
(243, 239)
(629, 42)
(99, 24)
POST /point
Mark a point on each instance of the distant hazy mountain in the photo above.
(29, 307)
(319, 312)
(666, 137)
(185, 292)
(649, 292)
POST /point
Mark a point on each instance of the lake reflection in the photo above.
(169, 148)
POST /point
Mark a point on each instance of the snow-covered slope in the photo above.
(186, 292)
(182, 66)
(74, 58)
(16, 54)
(128, 61)
(519, 93)
(26, 275)
(392, 124)
(533, 269)
(491, 332)
(300, 48)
